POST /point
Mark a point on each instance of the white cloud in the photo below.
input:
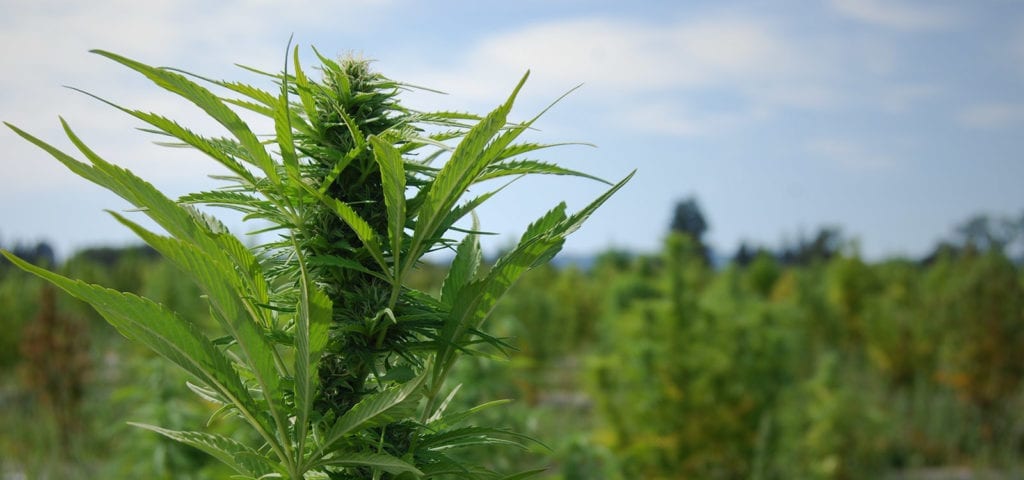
(992, 115)
(647, 70)
(850, 155)
(619, 56)
(899, 15)
(680, 120)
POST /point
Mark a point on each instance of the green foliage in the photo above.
(840, 369)
(317, 345)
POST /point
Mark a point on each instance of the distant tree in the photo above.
(110, 256)
(984, 233)
(688, 219)
(942, 250)
(980, 234)
(825, 245)
(744, 255)
(39, 254)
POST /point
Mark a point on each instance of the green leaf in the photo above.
(392, 174)
(463, 268)
(501, 147)
(530, 167)
(242, 320)
(261, 97)
(182, 223)
(362, 229)
(125, 184)
(370, 410)
(342, 262)
(283, 129)
(465, 165)
(459, 211)
(302, 86)
(337, 169)
(210, 103)
(206, 393)
(238, 201)
(169, 127)
(474, 436)
(175, 339)
(524, 475)
(312, 324)
(197, 246)
(251, 106)
(239, 457)
(527, 147)
(574, 222)
(474, 302)
(387, 463)
(451, 419)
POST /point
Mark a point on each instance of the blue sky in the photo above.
(894, 120)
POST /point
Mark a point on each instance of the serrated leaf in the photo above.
(456, 214)
(473, 436)
(251, 106)
(531, 167)
(466, 163)
(283, 128)
(312, 323)
(474, 302)
(451, 419)
(337, 168)
(237, 201)
(239, 457)
(524, 475)
(222, 287)
(362, 229)
(207, 394)
(369, 410)
(210, 103)
(165, 333)
(178, 221)
(574, 222)
(462, 270)
(260, 96)
(341, 262)
(302, 87)
(517, 149)
(172, 128)
(124, 184)
(387, 463)
(392, 173)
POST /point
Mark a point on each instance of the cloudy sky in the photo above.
(895, 120)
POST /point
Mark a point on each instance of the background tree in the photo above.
(688, 219)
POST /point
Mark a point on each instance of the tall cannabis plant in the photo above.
(322, 350)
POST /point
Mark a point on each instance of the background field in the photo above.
(806, 362)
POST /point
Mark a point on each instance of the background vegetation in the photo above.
(809, 362)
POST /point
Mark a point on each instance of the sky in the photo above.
(893, 120)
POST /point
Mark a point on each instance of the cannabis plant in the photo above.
(337, 367)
